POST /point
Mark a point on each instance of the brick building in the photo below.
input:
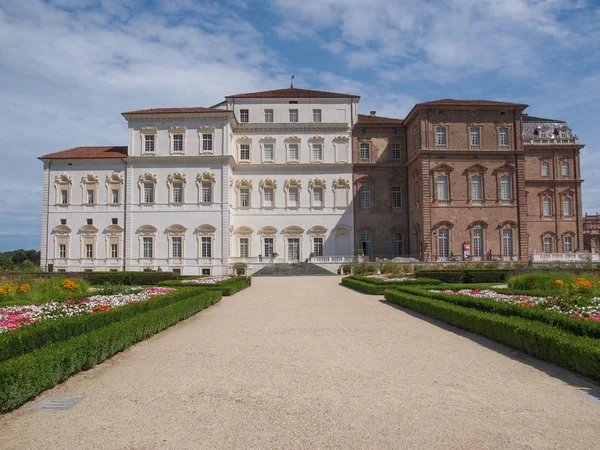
(591, 233)
(466, 179)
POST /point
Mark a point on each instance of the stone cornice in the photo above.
(293, 126)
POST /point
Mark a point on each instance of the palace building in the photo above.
(290, 174)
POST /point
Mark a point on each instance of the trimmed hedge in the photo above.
(40, 334)
(577, 353)
(129, 278)
(466, 276)
(24, 377)
(377, 287)
(228, 287)
(414, 282)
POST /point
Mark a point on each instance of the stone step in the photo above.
(294, 269)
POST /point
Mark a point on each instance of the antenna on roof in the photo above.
(292, 82)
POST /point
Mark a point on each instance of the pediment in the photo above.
(443, 224)
(244, 230)
(442, 168)
(293, 229)
(317, 229)
(88, 229)
(113, 229)
(176, 229)
(268, 230)
(477, 168)
(205, 229)
(342, 229)
(147, 229)
(61, 229)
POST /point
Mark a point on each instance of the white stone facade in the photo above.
(199, 189)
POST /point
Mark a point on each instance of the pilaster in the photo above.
(225, 217)
(128, 238)
(45, 211)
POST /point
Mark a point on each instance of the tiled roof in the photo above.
(195, 109)
(527, 118)
(293, 93)
(455, 102)
(368, 119)
(89, 153)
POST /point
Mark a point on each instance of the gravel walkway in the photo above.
(304, 363)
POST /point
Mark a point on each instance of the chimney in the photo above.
(373, 113)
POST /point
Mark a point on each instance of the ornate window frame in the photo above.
(317, 183)
(570, 194)
(437, 171)
(542, 162)
(442, 225)
(505, 170)
(63, 182)
(317, 231)
(553, 241)
(114, 235)
(508, 224)
(205, 230)
(267, 183)
(147, 231)
(365, 182)
(173, 131)
(268, 232)
(244, 140)
(316, 140)
(293, 140)
(176, 230)
(565, 162)
(446, 128)
(478, 225)
(573, 241)
(369, 145)
(480, 127)
(292, 183)
(341, 144)
(89, 182)
(475, 170)
(89, 236)
(114, 181)
(210, 130)
(337, 185)
(148, 131)
(173, 178)
(240, 233)
(206, 177)
(508, 135)
(292, 232)
(147, 178)
(267, 140)
(243, 184)
(62, 235)
(548, 195)
(397, 183)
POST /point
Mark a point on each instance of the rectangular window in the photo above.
(176, 246)
(244, 248)
(565, 170)
(268, 252)
(293, 150)
(440, 137)
(115, 196)
(177, 192)
(503, 136)
(268, 115)
(206, 247)
(365, 150)
(147, 247)
(567, 206)
(244, 198)
(317, 152)
(293, 115)
(293, 197)
(62, 251)
(114, 221)
(89, 221)
(318, 197)
(268, 152)
(206, 193)
(244, 115)
(89, 250)
(568, 244)
(444, 243)
(475, 136)
(149, 143)
(148, 193)
(545, 169)
(478, 249)
(178, 143)
(398, 244)
(505, 188)
(114, 250)
(396, 151)
(207, 142)
(244, 152)
(365, 196)
(366, 243)
(442, 188)
(318, 246)
(507, 242)
(268, 197)
(397, 196)
(547, 244)
(317, 115)
(64, 197)
(547, 207)
(476, 188)
(63, 221)
(90, 196)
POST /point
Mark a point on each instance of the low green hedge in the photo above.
(577, 353)
(378, 287)
(466, 276)
(25, 376)
(413, 282)
(129, 278)
(569, 324)
(228, 287)
(40, 334)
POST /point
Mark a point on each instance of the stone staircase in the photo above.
(290, 270)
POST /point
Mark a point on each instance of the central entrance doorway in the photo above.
(293, 249)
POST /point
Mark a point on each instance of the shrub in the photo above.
(374, 286)
(466, 275)
(577, 353)
(24, 377)
(129, 278)
(227, 287)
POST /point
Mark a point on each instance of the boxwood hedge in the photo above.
(578, 353)
(466, 276)
(227, 287)
(129, 278)
(374, 286)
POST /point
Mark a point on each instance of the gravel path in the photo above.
(304, 363)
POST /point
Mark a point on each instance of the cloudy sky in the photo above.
(69, 68)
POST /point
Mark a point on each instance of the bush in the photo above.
(227, 287)
(374, 286)
(129, 278)
(24, 377)
(26, 339)
(466, 275)
(577, 353)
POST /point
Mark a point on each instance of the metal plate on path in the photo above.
(55, 404)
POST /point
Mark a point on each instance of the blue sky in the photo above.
(69, 68)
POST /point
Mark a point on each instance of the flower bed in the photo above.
(588, 309)
(388, 279)
(208, 280)
(14, 317)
